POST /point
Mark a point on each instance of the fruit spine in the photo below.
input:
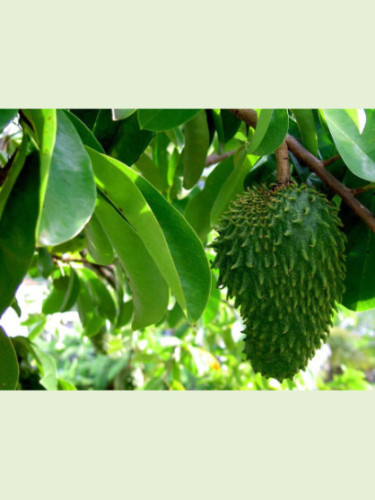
(280, 253)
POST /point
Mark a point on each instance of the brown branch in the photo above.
(364, 189)
(249, 116)
(282, 165)
(104, 271)
(344, 192)
(318, 167)
(214, 158)
(329, 161)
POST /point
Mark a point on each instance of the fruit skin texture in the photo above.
(280, 253)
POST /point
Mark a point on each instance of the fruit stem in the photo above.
(282, 165)
(249, 116)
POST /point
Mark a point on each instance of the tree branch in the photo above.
(214, 158)
(329, 161)
(318, 167)
(282, 165)
(105, 272)
(364, 189)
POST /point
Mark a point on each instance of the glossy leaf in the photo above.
(63, 295)
(121, 114)
(87, 137)
(360, 261)
(17, 230)
(113, 180)
(354, 142)
(186, 249)
(160, 157)
(105, 129)
(48, 368)
(6, 115)
(306, 125)
(164, 119)
(270, 132)
(167, 236)
(9, 369)
(234, 183)
(101, 297)
(230, 124)
(126, 312)
(70, 196)
(92, 321)
(44, 125)
(213, 303)
(99, 245)
(87, 116)
(196, 146)
(149, 290)
(44, 262)
(17, 164)
(198, 210)
(130, 141)
(150, 171)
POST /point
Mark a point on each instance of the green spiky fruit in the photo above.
(280, 253)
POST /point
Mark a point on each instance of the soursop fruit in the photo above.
(280, 254)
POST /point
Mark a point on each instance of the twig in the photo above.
(282, 165)
(329, 161)
(318, 167)
(364, 189)
(249, 116)
(105, 271)
(214, 158)
(344, 192)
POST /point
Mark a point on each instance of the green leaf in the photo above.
(230, 124)
(70, 196)
(164, 119)
(102, 298)
(213, 303)
(270, 132)
(17, 163)
(44, 124)
(130, 141)
(65, 385)
(113, 180)
(355, 144)
(92, 321)
(161, 157)
(196, 147)
(17, 230)
(186, 249)
(149, 290)
(87, 137)
(6, 115)
(45, 262)
(87, 116)
(105, 129)
(218, 124)
(9, 369)
(63, 295)
(167, 236)
(360, 261)
(234, 183)
(121, 114)
(125, 313)
(98, 244)
(47, 366)
(198, 209)
(150, 171)
(306, 125)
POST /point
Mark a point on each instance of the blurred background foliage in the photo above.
(55, 354)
